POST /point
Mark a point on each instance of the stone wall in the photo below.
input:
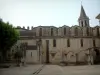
(74, 34)
(68, 31)
(61, 47)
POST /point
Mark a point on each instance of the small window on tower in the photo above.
(82, 23)
(85, 23)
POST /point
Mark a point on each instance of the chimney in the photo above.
(18, 27)
(32, 28)
(0, 19)
(28, 27)
(23, 27)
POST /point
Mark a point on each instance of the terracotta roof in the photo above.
(31, 47)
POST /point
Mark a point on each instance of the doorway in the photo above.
(97, 57)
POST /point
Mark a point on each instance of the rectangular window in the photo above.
(81, 42)
(97, 31)
(76, 31)
(64, 31)
(40, 32)
(68, 43)
(87, 31)
(31, 54)
(94, 43)
(54, 43)
(51, 31)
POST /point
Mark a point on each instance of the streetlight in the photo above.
(39, 44)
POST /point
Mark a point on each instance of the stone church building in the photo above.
(50, 44)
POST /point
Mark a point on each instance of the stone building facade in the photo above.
(52, 44)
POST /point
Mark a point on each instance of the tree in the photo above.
(18, 56)
(8, 37)
(20, 52)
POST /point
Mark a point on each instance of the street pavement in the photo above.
(71, 70)
(52, 70)
(23, 70)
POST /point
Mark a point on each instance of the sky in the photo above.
(47, 12)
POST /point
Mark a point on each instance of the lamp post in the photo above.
(39, 44)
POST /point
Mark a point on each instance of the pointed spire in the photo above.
(31, 27)
(83, 19)
(23, 27)
(83, 14)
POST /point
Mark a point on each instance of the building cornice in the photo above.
(51, 37)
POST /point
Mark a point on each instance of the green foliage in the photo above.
(8, 36)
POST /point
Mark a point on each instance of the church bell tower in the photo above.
(83, 19)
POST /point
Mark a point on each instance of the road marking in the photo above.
(39, 70)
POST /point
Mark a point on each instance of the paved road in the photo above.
(71, 70)
(53, 70)
(27, 70)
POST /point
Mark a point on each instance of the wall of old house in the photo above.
(87, 34)
(61, 46)
(31, 56)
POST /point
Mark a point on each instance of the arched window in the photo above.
(68, 42)
(64, 31)
(76, 31)
(54, 43)
(51, 31)
(40, 32)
